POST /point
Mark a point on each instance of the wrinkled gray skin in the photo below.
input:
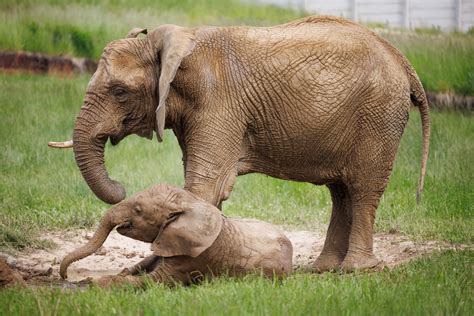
(190, 239)
(320, 100)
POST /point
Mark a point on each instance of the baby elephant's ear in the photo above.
(191, 233)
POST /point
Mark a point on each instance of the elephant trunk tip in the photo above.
(116, 194)
(105, 227)
(63, 271)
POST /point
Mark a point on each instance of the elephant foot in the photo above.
(327, 262)
(353, 262)
(118, 281)
(124, 272)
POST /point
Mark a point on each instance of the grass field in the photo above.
(41, 189)
(440, 285)
(83, 27)
(443, 61)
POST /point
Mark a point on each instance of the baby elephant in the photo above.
(190, 239)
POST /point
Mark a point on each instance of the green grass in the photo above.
(41, 188)
(439, 285)
(444, 62)
(83, 27)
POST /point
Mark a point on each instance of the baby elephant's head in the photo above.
(175, 221)
(144, 215)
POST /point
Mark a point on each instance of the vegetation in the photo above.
(438, 285)
(83, 27)
(42, 189)
(443, 61)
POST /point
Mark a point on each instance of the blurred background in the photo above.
(437, 36)
(447, 15)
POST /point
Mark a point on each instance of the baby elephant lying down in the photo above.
(190, 239)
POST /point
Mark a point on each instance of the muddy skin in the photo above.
(190, 240)
(320, 100)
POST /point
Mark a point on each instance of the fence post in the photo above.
(304, 5)
(406, 14)
(459, 15)
(354, 10)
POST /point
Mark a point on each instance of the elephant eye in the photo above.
(120, 94)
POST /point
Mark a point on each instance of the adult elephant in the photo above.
(320, 100)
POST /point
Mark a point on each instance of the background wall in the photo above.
(445, 14)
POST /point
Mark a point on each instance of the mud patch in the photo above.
(45, 64)
(40, 267)
(117, 253)
(391, 249)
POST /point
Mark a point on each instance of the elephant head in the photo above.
(127, 95)
(176, 223)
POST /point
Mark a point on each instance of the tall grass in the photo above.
(444, 62)
(441, 285)
(41, 188)
(83, 27)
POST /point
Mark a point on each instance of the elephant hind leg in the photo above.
(337, 237)
(360, 252)
(366, 190)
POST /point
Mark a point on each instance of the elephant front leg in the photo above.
(214, 188)
(144, 266)
(337, 237)
(175, 271)
(121, 280)
(169, 271)
(212, 171)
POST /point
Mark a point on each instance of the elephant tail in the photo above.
(419, 99)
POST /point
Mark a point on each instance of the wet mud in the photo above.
(41, 267)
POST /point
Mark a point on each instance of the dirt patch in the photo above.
(9, 276)
(119, 252)
(67, 65)
(44, 64)
(391, 249)
(451, 101)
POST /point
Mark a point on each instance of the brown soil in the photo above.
(66, 65)
(44, 64)
(451, 101)
(40, 267)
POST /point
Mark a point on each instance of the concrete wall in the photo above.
(445, 14)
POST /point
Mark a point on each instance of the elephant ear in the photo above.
(135, 31)
(195, 229)
(172, 43)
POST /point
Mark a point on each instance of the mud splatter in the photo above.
(40, 267)
(45, 64)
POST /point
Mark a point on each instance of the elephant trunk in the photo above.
(89, 143)
(105, 227)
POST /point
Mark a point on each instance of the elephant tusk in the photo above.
(67, 144)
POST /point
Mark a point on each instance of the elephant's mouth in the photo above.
(124, 227)
(114, 140)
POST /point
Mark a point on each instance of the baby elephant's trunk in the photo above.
(105, 227)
